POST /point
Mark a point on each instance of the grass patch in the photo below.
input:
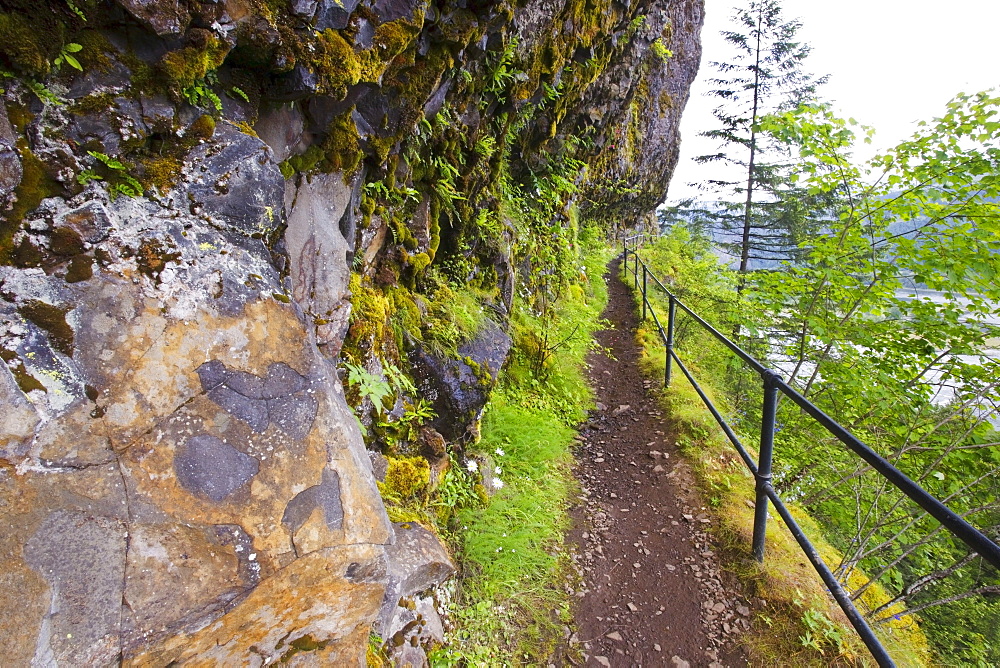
(511, 601)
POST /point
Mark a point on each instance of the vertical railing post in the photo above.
(671, 314)
(635, 272)
(763, 475)
(644, 292)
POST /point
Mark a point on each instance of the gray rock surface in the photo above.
(459, 389)
(317, 252)
(20, 419)
(178, 395)
(165, 17)
(417, 561)
(10, 162)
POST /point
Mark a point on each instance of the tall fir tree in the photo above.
(764, 75)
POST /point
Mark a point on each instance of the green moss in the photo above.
(52, 319)
(336, 62)
(81, 268)
(93, 104)
(94, 54)
(419, 262)
(370, 315)
(245, 128)
(406, 318)
(284, 299)
(342, 146)
(26, 255)
(65, 241)
(405, 478)
(36, 185)
(302, 163)
(19, 116)
(391, 39)
(435, 228)
(203, 127)
(23, 46)
(367, 205)
(417, 81)
(160, 172)
(185, 67)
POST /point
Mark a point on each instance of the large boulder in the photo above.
(459, 386)
(181, 476)
(417, 563)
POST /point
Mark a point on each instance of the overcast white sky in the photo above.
(890, 64)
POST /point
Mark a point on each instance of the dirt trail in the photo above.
(652, 591)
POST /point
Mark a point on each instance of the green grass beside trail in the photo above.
(511, 600)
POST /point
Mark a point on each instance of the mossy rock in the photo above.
(186, 67)
(36, 184)
(28, 47)
(203, 127)
(406, 477)
(52, 319)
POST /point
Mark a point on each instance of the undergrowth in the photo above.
(511, 602)
(795, 621)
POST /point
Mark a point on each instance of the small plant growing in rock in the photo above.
(200, 93)
(75, 9)
(66, 56)
(120, 181)
(661, 51)
(407, 427)
(368, 385)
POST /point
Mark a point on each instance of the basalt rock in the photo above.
(187, 487)
(408, 621)
(181, 477)
(459, 386)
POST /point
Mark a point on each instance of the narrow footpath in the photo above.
(652, 593)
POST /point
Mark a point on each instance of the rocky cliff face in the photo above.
(207, 205)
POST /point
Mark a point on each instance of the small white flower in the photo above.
(498, 483)
(472, 465)
(500, 452)
(499, 471)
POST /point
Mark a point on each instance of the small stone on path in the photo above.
(614, 635)
(679, 662)
(603, 660)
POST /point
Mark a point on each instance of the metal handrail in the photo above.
(761, 470)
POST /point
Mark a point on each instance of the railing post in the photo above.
(671, 314)
(635, 272)
(644, 292)
(763, 475)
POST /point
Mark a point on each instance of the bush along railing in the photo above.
(643, 281)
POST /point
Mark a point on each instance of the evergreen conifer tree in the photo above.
(765, 75)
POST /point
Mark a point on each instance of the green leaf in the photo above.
(73, 62)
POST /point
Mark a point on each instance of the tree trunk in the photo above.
(745, 250)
